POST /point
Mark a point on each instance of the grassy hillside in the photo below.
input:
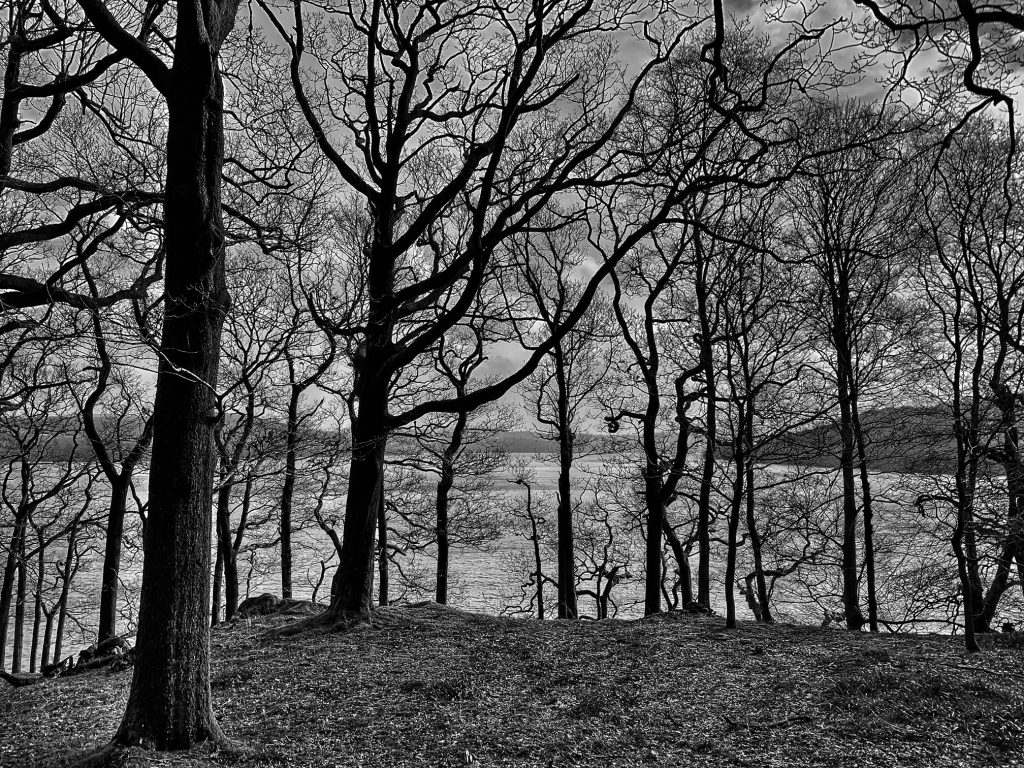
(426, 686)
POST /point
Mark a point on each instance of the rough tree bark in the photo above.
(352, 587)
(169, 705)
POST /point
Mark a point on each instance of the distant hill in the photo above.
(907, 439)
(527, 442)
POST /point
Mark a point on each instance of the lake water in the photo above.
(488, 579)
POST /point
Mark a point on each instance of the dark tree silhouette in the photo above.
(169, 703)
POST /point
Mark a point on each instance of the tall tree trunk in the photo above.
(288, 488)
(10, 105)
(654, 496)
(65, 588)
(537, 562)
(112, 557)
(19, 613)
(1013, 541)
(957, 539)
(704, 523)
(655, 524)
(119, 480)
(218, 585)
(974, 575)
(352, 588)
(37, 618)
(444, 486)
(10, 572)
(764, 609)
(383, 596)
(867, 507)
(682, 556)
(44, 657)
(568, 607)
(710, 427)
(850, 566)
(1009, 550)
(226, 550)
(739, 462)
(169, 706)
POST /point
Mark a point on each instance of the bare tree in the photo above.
(458, 449)
(852, 221)
(43, 457)
(446, 174)
(973, 285)
(119, 430)
(973, 39)
(169, 703)
(562, 388)
(254, 340)
(530, 522)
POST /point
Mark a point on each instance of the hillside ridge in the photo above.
(425, 685)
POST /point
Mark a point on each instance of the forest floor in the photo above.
(427, 686)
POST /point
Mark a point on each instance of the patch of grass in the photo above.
(438, 690)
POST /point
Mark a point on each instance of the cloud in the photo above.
(740, 6)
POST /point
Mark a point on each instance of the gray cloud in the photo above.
(740, 6)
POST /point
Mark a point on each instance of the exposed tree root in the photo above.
(426, 613)
(328, 621)
(19, 680)
(120, 756)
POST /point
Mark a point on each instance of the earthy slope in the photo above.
(428, 686)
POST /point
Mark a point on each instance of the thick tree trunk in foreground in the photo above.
(169, 704)
(353, 581)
